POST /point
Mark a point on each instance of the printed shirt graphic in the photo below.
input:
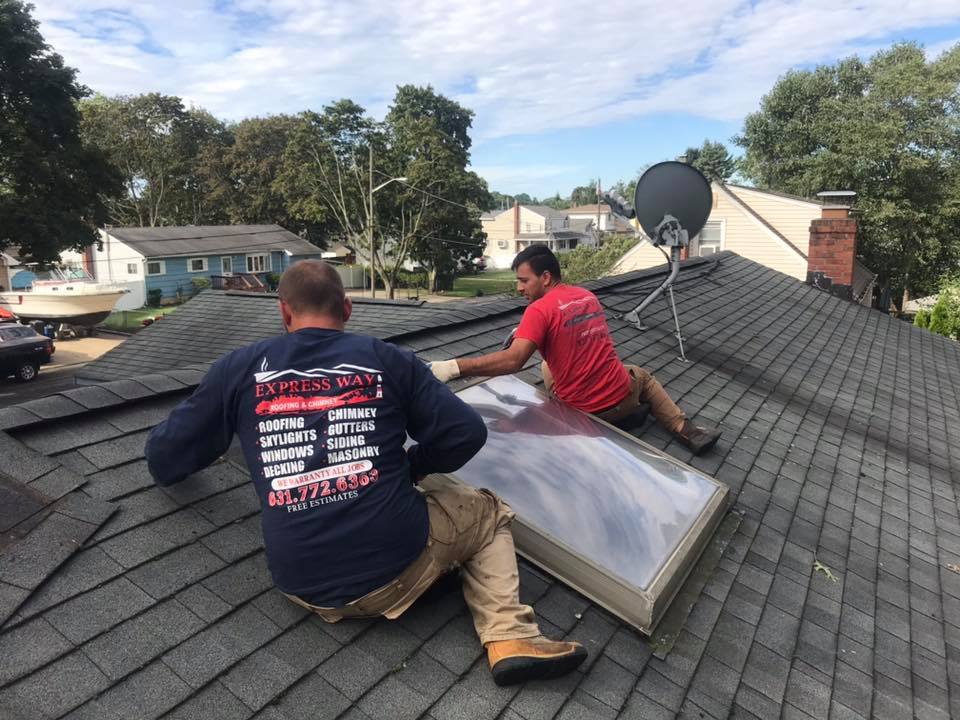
(322, 417)
(570, 330)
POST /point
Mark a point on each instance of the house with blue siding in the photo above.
(169, 259)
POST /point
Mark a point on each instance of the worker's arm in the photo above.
(197, 432)
(447, 430)
(502, 362)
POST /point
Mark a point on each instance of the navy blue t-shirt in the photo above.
(322, 417)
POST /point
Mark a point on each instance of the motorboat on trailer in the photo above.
(66, 296)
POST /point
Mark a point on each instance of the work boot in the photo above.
(698, 439)
(537, 658)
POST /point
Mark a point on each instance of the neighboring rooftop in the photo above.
(837, 596)
(217, 321)
(211, 239)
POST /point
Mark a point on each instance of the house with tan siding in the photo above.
(770, 228)
(510, 231)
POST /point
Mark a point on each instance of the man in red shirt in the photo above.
(567, 325)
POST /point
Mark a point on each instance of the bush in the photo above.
(154, 297)
(944, 317)
(273, 281)
(585, 262)
(200, 283)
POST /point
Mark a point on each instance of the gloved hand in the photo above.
(445, 370)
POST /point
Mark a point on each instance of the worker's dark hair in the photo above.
(312, 286)
(541, 259)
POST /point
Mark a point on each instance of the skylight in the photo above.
(615, 518)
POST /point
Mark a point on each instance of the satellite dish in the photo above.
(673, 201)
(672, 189)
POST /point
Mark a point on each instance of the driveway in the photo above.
(58, 375)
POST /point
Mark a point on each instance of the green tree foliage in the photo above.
(889, 129)
(432, 217)
(713, 160)
(944, 317)
(240, 177)
(49, 179)
(585, 262)
(157, 144)
(584, 194)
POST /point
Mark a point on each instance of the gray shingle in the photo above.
(27, 647)
(133, 643)
(32, 559)
(96, 611)
(146, 694)
(56, 689)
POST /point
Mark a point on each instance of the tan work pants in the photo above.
(471, 529)
(644, 388)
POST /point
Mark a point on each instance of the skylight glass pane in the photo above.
(620, 505)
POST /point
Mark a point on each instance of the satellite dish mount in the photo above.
(672, 201)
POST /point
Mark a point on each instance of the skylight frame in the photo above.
(635, 606)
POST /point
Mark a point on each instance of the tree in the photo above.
(432, 217)
(156, 143)
(430, 143)
(241, 177)
(584, 194)
(888, 129)
(49, 179)
(713, 160)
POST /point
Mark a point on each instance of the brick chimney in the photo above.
(833, 245)
(516, 219)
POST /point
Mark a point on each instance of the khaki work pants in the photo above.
(469, 529)
(644, 388)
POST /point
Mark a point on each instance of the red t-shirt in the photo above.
(570, 330)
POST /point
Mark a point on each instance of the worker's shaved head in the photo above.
(312, 287)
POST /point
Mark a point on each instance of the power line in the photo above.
(425, 192)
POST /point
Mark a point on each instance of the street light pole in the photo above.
(373, 253)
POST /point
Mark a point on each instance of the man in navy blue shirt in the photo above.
(322, 416)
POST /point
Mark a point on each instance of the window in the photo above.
(131, 268)
(258, 263)
(13, 333)
(196, 264)
(597, 508)
(503, 244)
(226, 265)
(709, 240)
(156, 267)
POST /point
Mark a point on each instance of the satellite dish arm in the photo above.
(634, 315)
(619, 205)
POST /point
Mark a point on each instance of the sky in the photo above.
(562, 91)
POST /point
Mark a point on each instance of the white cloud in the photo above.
(511, 178)
(523, 66)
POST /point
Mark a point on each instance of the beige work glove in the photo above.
(445, 370)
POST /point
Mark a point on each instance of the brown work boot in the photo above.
(537, 658)
(698, 439)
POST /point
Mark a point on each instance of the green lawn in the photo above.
(490, 282)
(132, 320)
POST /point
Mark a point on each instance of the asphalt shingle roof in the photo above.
(839, 447)
(167, 241)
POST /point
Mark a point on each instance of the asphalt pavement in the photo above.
(60, 374)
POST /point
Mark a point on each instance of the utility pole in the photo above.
(598, 212)
(373, 255)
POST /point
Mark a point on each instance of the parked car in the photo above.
(23, 351)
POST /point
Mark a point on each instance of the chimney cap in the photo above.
(842, 198)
